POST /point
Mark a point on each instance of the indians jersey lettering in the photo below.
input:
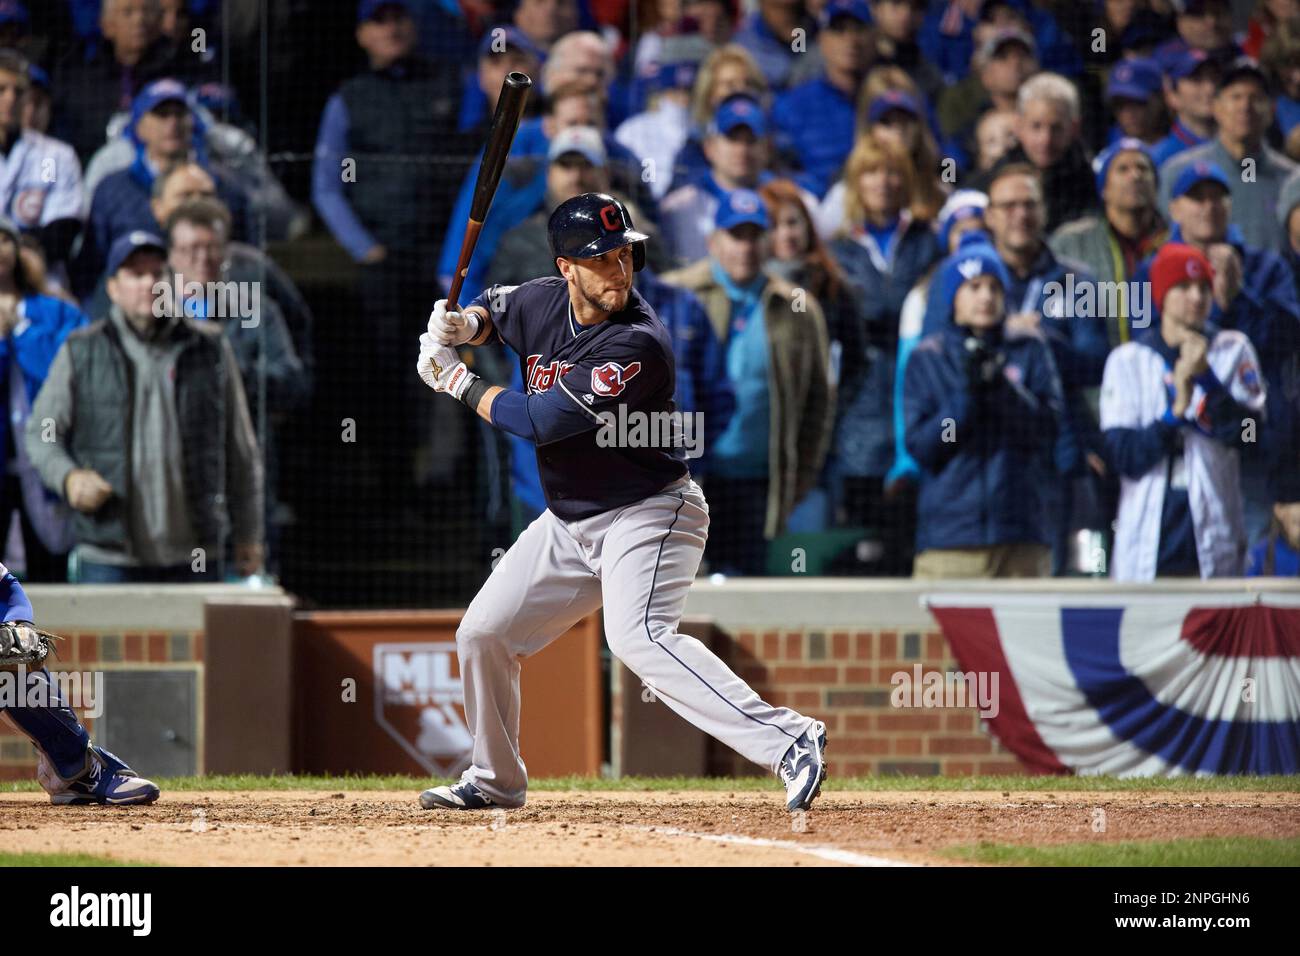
(587, 374)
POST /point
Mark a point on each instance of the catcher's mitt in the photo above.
(23, 643)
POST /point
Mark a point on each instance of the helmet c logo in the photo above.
(610, 219)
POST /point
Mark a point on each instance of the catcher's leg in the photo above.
(70, 769)
(55, 730)
(539, 589)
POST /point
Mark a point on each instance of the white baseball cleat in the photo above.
(803, 768)
(106, 781)
(459, 796)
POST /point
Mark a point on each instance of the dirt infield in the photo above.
(672, 828)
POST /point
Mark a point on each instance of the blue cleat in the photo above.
(803, 768)
(460, 796)
(108, 781)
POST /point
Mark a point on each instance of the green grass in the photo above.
(62, 859)
(1211, 851)
(1045, 784)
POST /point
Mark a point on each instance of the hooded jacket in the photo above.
(1079, 343)
(985, 454)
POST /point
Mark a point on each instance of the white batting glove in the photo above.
(441, 368)
(451, 328)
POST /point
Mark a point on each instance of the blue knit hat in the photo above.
(975, 256)
(1129, 144)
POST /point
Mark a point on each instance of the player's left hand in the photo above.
(441, 368)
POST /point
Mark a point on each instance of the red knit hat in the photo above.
(1176, 263)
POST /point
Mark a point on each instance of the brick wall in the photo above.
(843, 678)
(90, 652)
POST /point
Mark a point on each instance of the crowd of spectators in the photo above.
(996, 287)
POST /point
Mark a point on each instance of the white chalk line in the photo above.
(834, 854)
(829, 853)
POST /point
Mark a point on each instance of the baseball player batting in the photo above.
(624, 527)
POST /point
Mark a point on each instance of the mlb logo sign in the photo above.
(420, 703)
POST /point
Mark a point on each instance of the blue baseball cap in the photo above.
(38, 77)
(11, 11)
(508, 38)
(857, 9)
(155, 94)
(1129, 144)
(740, 109)
(1200, 172)
(1137, 79)
(367, 9)
(741, 206)
(125, 246)
(1184, 64)
(893, 100)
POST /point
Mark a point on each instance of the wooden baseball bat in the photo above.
(505, 123)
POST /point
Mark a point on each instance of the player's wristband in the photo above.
(474, 391)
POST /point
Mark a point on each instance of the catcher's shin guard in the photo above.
(55, 729)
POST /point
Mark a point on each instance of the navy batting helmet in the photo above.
(588, 225)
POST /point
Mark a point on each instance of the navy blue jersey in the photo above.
(579, 382)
